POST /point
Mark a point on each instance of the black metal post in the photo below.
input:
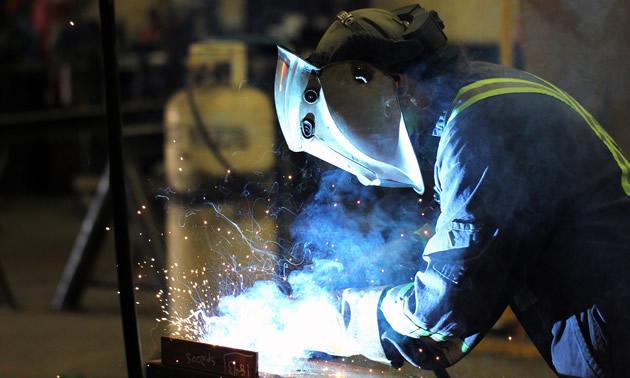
(6, 297)
(441, 373)
(117, 186)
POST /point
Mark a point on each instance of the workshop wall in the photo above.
(583, 48)
(466, 20)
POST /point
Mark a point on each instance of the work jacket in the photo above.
(535, 214)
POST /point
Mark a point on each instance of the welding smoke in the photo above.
(358, 236)
(347, 235)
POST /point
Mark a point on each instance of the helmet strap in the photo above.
(347, 20)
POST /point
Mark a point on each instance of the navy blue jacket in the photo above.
(535, 214)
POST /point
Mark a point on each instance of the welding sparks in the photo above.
(231, 295)
(281, 329)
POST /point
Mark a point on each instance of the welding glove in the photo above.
(360, 314)
(354, 328)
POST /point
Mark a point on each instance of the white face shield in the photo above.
(348, 115)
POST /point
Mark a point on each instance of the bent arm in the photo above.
(436, 320)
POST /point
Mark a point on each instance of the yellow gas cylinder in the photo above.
(218, 132)
(238, 119)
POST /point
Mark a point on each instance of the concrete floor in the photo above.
(36, 236)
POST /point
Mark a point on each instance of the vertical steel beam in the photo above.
(506, 33)
(117, 186)
(6, 296)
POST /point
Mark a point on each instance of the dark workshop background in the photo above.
(53, 150)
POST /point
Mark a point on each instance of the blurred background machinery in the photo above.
(200, 73)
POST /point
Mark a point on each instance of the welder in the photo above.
(534, 194)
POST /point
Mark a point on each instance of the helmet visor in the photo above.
(346, 113)
(364, 107)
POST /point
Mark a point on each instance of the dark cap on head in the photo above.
(386, 39)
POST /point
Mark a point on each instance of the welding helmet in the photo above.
(346, 111)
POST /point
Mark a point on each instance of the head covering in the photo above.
(341, 105)
(385, 39)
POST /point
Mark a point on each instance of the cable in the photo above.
(201, 127)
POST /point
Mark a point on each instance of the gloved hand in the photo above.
(352, 328)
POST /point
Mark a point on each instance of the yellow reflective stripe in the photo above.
(550, 90)
(481, 83)
(501, 91)
(612, 146)
(404, 289)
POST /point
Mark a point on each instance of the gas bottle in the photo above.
(218, 125)
(219, 137)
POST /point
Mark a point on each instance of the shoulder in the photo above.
(495, 100)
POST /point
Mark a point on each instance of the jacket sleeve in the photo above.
(434, 321)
